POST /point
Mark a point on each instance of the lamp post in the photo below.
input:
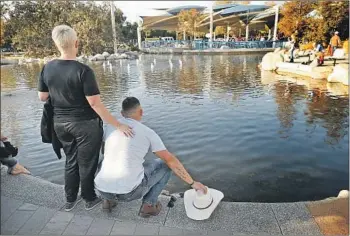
(247, 28)
(113, 28)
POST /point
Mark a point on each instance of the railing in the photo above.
(201, 44)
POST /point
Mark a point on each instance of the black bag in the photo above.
(8, 150)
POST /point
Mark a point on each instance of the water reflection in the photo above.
(255, 135)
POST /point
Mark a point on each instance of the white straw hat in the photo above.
(200, 206)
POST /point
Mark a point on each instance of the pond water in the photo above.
(255, 136)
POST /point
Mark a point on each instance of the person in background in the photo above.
(77, 111)
(7, 158)
(335, 42)
(126, 176)
(319, 50)
(294, 45)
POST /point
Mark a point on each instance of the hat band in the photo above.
(203, 208)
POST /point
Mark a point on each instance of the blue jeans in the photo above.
(10, 162)
(292, 54)
(333, 49)
(156, 177)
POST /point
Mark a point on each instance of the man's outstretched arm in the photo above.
(176, 166)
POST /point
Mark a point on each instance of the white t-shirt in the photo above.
(122, 167)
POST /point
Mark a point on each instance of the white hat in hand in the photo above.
(199, 206)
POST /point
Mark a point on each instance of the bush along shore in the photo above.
(105, 56)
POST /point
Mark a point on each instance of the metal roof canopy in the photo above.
(242, 9)
(177, 10)
(217, 8)
(230, 14)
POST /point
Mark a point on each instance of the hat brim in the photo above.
(201, 214)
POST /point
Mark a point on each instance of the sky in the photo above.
(133, 9)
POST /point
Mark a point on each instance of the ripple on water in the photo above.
(255, 136)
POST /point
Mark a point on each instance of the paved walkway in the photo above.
(30, 205)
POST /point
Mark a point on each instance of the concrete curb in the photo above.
(229, 217)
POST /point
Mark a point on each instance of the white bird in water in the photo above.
(128, 68)
(104, 65)
(171, 64)
(121, 63)
(154, 61)
(180, 63)
(152, 66)
(137, 61)
(110, 66)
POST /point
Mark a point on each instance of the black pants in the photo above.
(81, 143)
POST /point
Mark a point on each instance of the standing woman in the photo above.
(294, 45)
(77, 112)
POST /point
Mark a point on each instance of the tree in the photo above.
(2, 32)
(188, 21)
(30, 24)
(294, 17)
(241, 2)
(335, 15)
(220, 30)
(270, 3)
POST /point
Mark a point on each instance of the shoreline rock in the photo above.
(105, 56)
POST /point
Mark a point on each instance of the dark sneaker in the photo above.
(107, 205)
(91, 205)
(148, 210)
(70, 205)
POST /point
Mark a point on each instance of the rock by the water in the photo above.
(337, 89)
(47, 59)
(98, 57)
(132, 55)
(81, 58)
(124, 56)
(270, 60)
(339, 53)
(112, 57)
(314, 63)
(340, 74)
(121, 50)
(343, 194)
(106, 54)
(224, 47)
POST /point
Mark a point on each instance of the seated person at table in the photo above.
(319, 49)
(126, 176)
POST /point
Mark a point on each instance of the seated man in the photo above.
(126, 176)
(7, 154)
(319, 50)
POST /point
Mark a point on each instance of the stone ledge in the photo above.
(228, 218)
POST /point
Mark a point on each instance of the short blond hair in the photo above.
(64, 37)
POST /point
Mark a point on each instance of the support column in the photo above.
(240, 32)
(269, 37)
(139, 37)
(246, 32)
(211, 27)
(184, 34)
(214, 36)
(228, 32)
(275, 28)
